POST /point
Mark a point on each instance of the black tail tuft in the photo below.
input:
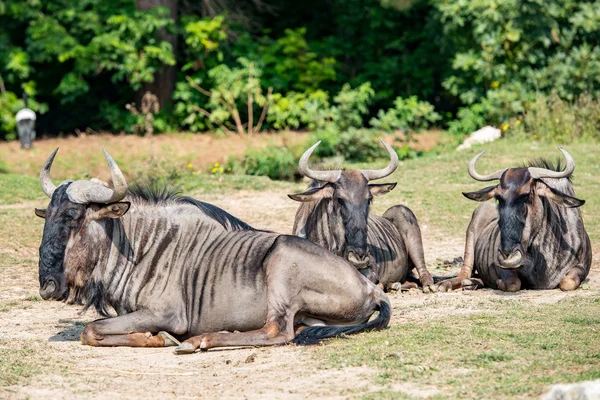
(314, 334)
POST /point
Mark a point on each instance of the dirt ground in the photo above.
(49, 331)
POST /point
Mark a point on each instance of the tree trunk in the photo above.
(164, 81)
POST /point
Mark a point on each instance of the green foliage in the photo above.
(298, 110)
(553, 119)
(351, 105)
(506, 51)
(469, 119)
(288, 62)
(359, 145)
(204, 41)
(275, 162)
(312, 110)
(232, 89)
(409, 115)
(70, 50)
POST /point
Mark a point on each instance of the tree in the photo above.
(164, 80)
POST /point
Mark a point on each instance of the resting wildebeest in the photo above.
(180, 267)
(533, 238)
(335, 215)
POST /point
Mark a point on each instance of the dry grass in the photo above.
(474, 345)
(82, 157)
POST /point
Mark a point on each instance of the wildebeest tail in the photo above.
(314, 334)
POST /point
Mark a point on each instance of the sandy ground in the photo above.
(51, 331)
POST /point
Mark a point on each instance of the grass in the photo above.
(506, 348)
(516, 351)
(20, 360)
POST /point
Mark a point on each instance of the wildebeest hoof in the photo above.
(444, 286)
(469, 284)
(168, 339)
(184, 348)
(430, 288)
(203, 346)
(512, 286)
(395, 286)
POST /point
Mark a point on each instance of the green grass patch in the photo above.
(500, 353)
(22, 360)
(18, 188)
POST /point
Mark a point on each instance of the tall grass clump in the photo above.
(551, 118)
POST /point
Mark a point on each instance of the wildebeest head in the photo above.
(71, 205)
(351, 195)
(518, 195)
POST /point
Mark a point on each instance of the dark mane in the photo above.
(156, 193)
(223, 217)
(547, 164)
(153, 193)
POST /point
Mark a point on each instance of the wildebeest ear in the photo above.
(40, 212)
(559, 197)
(113, 210)
(377, 189)
(323, 192)
(481, 195)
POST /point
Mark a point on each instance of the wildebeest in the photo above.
(335, 215)
(187, 269)
(533, 238)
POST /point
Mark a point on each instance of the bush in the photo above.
(312, 110)
(275, 162)
(408, 115)
(468, 120)
(551, 118)
(360, 145)
(295, 110)
(329, 142)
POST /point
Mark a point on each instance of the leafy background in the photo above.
(391, 65)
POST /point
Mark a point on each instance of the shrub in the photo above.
(351, 105)
(468, 120)
(275, 162)
(408, 115)
(329, 142)
(552, 118)
(295, 110)
(312, 110)
(359, 145)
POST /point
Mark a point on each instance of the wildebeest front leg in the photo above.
(573, 279)
(405, 221)
(276, 331)
(466, 272)
(133, 330)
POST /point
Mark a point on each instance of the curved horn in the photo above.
(324, 176)
(483, 178)
(372, 174)
(89, 192)
(47, 186)
(539, 173)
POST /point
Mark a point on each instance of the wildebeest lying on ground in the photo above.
(335, 215)
(188, 269)
(533, 238)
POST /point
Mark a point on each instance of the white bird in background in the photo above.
(26, 125)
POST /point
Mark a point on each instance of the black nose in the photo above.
(49, 289)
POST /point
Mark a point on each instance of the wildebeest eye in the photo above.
(72, 214)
